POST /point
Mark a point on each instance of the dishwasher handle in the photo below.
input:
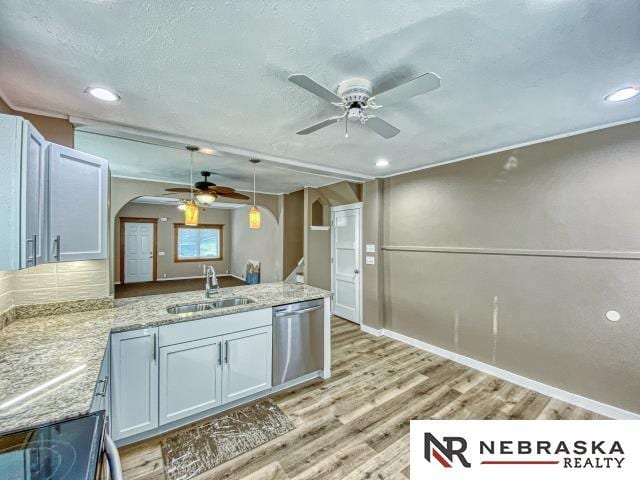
(297, 312)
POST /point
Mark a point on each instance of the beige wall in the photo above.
(372, 275)
(124, 190)
(167, 267)
(317, 243)
(293, 231)
(262, 245)
(514, 258)
(56, 130)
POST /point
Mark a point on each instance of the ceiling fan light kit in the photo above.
(357, 97)
(203, 193)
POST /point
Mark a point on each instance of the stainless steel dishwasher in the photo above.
(298, 340)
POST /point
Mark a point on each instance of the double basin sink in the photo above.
(213, 305)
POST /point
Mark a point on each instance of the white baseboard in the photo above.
(568, 397)
(181, 278)
(378, 332)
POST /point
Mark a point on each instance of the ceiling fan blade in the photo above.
(381, 127)
(417, 86)
(319, 125)
(236, 195)
(221, 189)
(178, 190)
(314, 87)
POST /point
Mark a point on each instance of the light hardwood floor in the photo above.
(356, 425)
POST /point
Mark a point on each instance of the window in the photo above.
(194, 244)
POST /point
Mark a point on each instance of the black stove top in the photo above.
(67, 450)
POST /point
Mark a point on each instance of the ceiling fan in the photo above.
(206, 192)
(357, 98)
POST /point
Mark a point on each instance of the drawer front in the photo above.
(213, 327)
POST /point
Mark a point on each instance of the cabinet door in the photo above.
(33, 250)
(190, 378)
(134, 387)
(78, 196)
(247, 363)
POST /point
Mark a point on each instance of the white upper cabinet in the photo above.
(22, 194)
(53, 199)
(78, 205)
(33, 214)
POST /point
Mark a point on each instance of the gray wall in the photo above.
(166, 263)
(260, 244)
(514, 258)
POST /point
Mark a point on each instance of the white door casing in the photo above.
(346, 258)
(138, 252)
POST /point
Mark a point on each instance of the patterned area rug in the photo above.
(193, 451)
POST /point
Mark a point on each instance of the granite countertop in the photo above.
(34, 351)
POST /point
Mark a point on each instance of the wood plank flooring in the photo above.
(355, 425)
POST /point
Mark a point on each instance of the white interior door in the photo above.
(138, 252)
(345, 261)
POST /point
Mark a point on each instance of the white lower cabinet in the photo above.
(190, 378)
(134, 391)
(164, 374)
(247, 363)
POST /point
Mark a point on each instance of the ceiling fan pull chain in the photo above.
(346, 128)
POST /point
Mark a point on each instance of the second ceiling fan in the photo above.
(357, 97)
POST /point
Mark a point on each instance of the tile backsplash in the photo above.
(54, 282)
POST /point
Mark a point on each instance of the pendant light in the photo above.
(191, 209)
(254, 213)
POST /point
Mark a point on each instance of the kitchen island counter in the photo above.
(49, 365)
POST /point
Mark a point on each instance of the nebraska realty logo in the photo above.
(501, 449)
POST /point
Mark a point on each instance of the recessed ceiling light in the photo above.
(622, 94)
(206, 150)
(103, 94)
(382, 163)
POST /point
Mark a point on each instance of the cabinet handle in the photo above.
(220, 353)
(57, 254)
(32, 258)
(226, 352)
(35, 250)
(105, 383)
(154, 346)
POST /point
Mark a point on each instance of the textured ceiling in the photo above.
(512, 71)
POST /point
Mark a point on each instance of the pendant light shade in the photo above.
(191, 215)
(254, 213)
(254, 217)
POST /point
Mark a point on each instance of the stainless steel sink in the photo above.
(203, 306)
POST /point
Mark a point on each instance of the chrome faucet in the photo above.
(211, 286)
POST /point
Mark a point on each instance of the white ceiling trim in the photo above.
(221, 147)
(513, 147)
(155, 180)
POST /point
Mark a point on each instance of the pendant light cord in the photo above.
(254, 184)
(191, 176)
